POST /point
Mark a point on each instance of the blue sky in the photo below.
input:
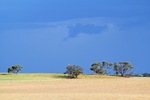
(46, 35)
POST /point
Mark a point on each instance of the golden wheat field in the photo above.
(83, 88)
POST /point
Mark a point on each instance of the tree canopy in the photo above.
(73, 71)
(100, 67)
(122, 68)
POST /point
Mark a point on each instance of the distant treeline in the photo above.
(141, 75)
(120, 69)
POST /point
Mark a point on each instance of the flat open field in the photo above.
(87, 87)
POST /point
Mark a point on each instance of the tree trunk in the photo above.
(122, 75)
(117, 73)
(76, 76)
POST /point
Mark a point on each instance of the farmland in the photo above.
(58, 87)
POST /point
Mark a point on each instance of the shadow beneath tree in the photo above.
(4, 74)
(61, 76)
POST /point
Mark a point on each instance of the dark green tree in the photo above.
(10, 70)
(73, 71)
(15, 69)
(122, 68)
(101, 67)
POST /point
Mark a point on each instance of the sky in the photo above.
(44, 36)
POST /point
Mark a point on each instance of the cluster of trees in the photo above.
(121, 68)
(101, 68)
(141, 75)
(146, 75)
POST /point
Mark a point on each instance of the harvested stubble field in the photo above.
(86, 87)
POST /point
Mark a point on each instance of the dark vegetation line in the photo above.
(123, 69)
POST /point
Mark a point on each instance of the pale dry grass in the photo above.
(77, 89)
